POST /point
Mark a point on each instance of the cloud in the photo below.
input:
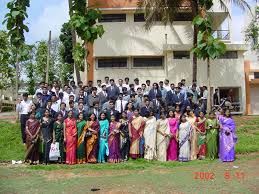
(52, 18)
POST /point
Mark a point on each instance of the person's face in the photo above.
(143, 87)
(46, 85)
(120, 97)
(81, 106)
(90, 84)
(49, 104)
(81, 93)
(120, 82)
(80, 85)
(107, 80)
(70, 114)
(130, 106)
(171, 113)
(177, 90)
(111, 105)
(183, 82)
(172, 86)
(124, 91)
(132, 87)
(99, 83)
(183, 119)
(148, 83)
(72, 105)
(92, 117)
(177, 109)
(96, 106)
(162, 116)
(147, 102)
(81, 117)
(33, 107)
(124, 115)
(46, 113)
(41, 85)
(126, 81)
(53, 98)
(63, 107)
(112, 118)
(221, 111)
(69, 90)
(81, 101)
(102, 116)
(139, 91)
(72, 84)
(190, 98)
(161, 84)
(104, 88)
(112, 82)
(136, 82)
(57, 89)
(132, 98)
(136, 113)
(211, 116)
(166, 82)
(25, 98)
(55, 84)
(32, 116)
(45, 90)
(227, 113)
(59, 117)
(71, 98)
(39, 96)
(65, 88)
(193, 88)
(154, 86)
(85, 88)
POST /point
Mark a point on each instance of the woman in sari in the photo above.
(80, 152)
(129, 110)
(177, 112)
(227, 138)
(47, 135)
(162, 137)
(124, 137)
(201, 135)
(32, 139)
(103, 141)
(114, 141)
(92, 132)
(70, 138)
(194, 136)
(172, 150)
(184, 133)
(212, 127)
(150, 136)
(58, 136)
(136, 128)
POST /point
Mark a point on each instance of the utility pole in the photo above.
(48, 58)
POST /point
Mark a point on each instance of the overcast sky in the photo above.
(45, 15)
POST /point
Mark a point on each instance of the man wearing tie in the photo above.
(113, 91)
(23, 108)
(95, 110)
(103, 95)
(112, 111)
(154, 92)
(120, 104)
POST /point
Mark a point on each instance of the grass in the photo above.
(11, 147)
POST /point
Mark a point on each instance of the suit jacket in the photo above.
(85, 99)
(113, 112)
(103, 98)
(113, 93)
(85, 115)
(144, 110)
(185, 104)
(152, 94)
(169, 98)
(178, 98)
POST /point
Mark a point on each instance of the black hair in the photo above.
(132, 95)
(89, 118)
(111, 80)
(94, 88)
(126, 78)
(101, 114)
(71, 102)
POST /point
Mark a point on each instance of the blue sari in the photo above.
(103, 141)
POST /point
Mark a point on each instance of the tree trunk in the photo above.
(48, 58)
(209, 90)
(195, 10)
(17, 69)
(73, 32)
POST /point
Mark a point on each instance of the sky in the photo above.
(46, 15)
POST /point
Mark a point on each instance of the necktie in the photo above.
(121, 107)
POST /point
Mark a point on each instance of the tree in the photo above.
(15, 25)
(166, 11)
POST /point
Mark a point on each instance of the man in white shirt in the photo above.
(167, 85)
(136, 84)
(99, 86)
(55, 103)
(67, 93)
(120, 104)
(23, 108)
(107, 81)
(204, 98)
(126, 84)
(40, 89)
(120, 85)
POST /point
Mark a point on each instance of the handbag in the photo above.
(54, 152)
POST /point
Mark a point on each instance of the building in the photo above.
(128, 50)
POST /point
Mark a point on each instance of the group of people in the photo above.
(114, 122)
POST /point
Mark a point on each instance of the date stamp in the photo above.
(227, 175)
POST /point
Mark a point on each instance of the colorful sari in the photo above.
(80, 152)
(136, 127)
(92, 142)
(201, 137)
(172, 150)
(71, 140)
(32, 143)
(114, 143)
(212, 138)
(194, 138)
(103, 141)
(162, 141)
(227, 140)
(59, 137)
(124, 139)
(150, 138)
(184, 141)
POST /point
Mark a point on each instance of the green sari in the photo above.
(80, 152)
(59, 137)
(212, 138)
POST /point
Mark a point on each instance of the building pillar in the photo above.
(90, 62)
(247, 85)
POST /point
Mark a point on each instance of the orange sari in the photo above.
(71, 140)
(92, 142)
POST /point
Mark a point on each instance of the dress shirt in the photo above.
(24, 107)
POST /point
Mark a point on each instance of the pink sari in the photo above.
(172, 150)
(71, 140)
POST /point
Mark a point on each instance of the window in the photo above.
(148, 62)
(256, 75)
(113, 18)
(139, 17)
(181, 55)
(119, 62)
(229, 55)
(183, 17)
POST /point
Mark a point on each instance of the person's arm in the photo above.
(64, 132)
(27, 130)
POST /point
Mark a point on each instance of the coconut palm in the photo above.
(166, 11)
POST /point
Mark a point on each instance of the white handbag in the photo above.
(54, 152)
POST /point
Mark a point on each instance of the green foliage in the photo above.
(79, 56)
(252, 32)
(41, 60)
(15, 21)
(207, 46)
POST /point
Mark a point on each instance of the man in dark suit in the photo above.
(103, 95)
(169, 96)
(158, 105)
(80, 109)
(146, 108)
(95, 110)
(112, 111)
(178, 98)
(154, 92)
(113, 91)
(81, 95)
(186, 103)
(52, 113)
(63, 110)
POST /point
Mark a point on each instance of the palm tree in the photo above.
(166, 10)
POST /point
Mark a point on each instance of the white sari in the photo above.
(150, 138)
(162, 141)
(184, 142)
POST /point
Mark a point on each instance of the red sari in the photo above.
(92, 142)
(201, 137)
(136, 128)
(71, 140)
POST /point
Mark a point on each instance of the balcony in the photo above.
(223, 35)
